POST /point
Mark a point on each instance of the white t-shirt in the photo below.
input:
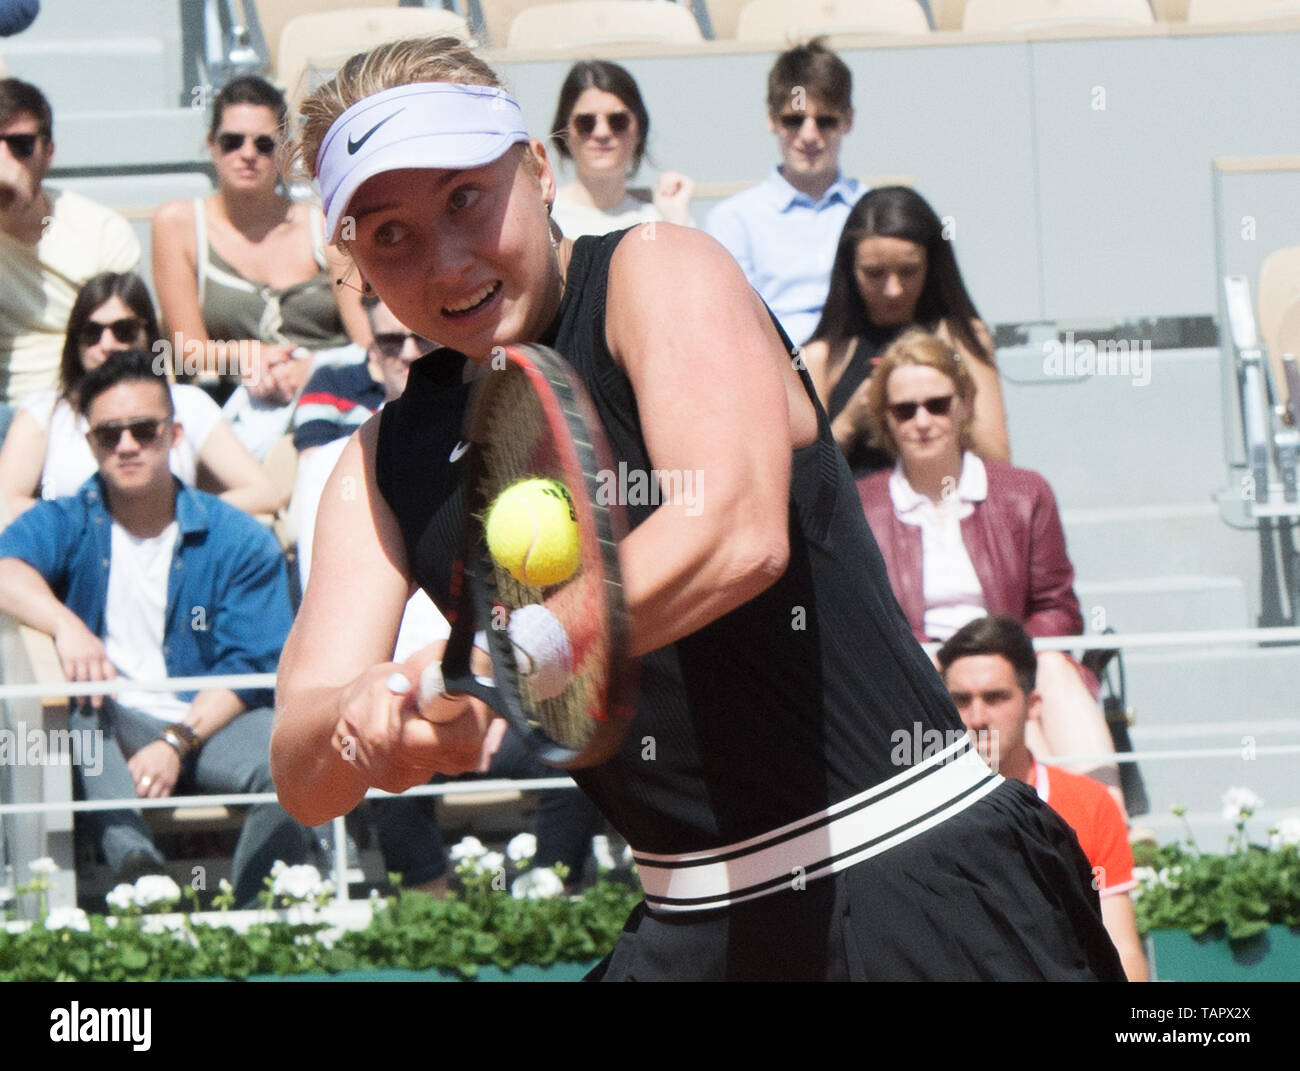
(134, 617)
(68, 460)
(953, 595)
(41, 282)
(576, 219)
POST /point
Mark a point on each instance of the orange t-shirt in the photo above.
(1089, 810)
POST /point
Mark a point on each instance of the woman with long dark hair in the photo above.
(895, 269)
(46, 455)
(601, 126)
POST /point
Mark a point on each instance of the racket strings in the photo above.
(518, 443)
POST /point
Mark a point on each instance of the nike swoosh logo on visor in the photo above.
(458, 451)
(355, 146)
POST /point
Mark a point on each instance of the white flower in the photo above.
(44, 865)
(67, 918)
(224, 887)
(6, 893)
(298, 882)
(468, 848)
(278, 868)
(492, 861)
(1289, 830)
(1239, 803)
(122, 897)
(1166, 876)
(522, 848)
(537, 884)
(1146, 876)
(600, 851)
(153, 889)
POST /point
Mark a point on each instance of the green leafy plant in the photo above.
(475, 926)
(1239, 894)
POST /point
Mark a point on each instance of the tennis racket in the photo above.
(531, 417)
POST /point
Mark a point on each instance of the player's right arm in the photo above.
(339, 727)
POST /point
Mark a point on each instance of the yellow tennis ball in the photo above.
(532, 531)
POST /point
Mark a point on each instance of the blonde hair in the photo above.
(398, 63)
(918, 347)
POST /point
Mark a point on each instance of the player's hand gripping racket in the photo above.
(562, 675)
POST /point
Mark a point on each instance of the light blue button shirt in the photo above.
(785, 243)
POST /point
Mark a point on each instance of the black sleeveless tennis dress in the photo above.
(796, 785)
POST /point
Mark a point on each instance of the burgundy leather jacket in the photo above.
(1015, 542)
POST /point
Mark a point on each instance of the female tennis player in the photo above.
(781, 828)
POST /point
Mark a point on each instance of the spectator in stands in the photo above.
(244, 276)
(46, 454)
(601, 126)
(990, 668)
(51, 242)
(895, 269)
(337, 401)
(783, 232)
(192, 587)
(963, 537)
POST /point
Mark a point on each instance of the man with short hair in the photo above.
(783, 232)
(51, 242)
(989, 667)
(137, 576)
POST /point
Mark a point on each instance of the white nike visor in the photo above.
(425, 124)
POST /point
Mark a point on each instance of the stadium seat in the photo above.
(1240, 10)
(1279, 294)
(603, 22)
(947, 14)
(788, 20)
(994, 15)
(313, 46)
(1286, 339)
(274, 15)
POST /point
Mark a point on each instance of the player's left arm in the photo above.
(715, 393)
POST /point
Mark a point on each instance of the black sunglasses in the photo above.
(793, 122)
(904, 411)
(125, 330)
(21, 145)
(144, 430)
(390, 343)
(229, 142)
(585, 123)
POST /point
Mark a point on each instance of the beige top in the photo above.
(41, 282)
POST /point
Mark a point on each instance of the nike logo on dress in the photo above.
(355, 146)
(458, 451)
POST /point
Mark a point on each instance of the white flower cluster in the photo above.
(1239, 804)
(43, 867)
(301, 883)
(1286, 834)
(67, 918)
(148, 891)
(472, 857)
(537, 884)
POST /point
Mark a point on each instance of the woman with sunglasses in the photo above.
(964, 537)
(46, 454)
(773, 661)
(894, 269)
(601, 126)
(249, 265)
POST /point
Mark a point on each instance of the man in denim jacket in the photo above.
(137, 576)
